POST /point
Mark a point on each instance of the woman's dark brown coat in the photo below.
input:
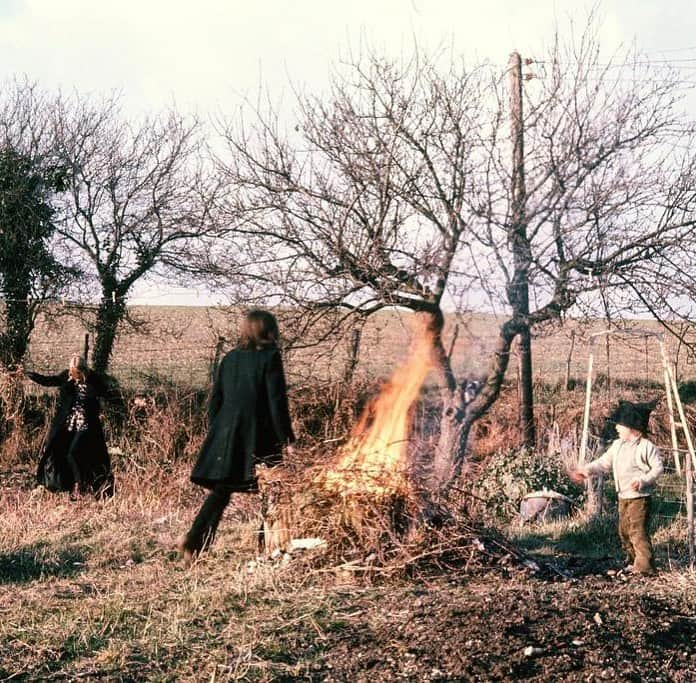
(93, 461)
(249, 420)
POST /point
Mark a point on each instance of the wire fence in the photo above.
(178, 345)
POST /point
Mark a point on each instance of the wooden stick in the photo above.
(586, 414)
(672, 427)
(689, 509)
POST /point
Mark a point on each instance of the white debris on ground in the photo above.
(279, 556)
(305, 544)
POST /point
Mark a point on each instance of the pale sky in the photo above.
(205, 55)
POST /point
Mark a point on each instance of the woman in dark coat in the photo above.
(74, 456)
(249, 424)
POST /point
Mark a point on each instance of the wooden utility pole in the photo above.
(518, 291)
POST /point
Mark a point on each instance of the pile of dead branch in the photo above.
(404, 534)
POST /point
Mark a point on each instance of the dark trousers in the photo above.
(634, 517)
(202, 532)
(78, 441)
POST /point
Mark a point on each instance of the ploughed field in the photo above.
(177, 345)
(94, 591)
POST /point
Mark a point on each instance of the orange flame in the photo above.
(375, 457)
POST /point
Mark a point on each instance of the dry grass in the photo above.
(94, 590)
(96, 586)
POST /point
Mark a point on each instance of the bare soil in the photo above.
(504, 629)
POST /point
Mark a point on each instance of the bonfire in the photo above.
(365, 503)
(375, 461)
(367, 489)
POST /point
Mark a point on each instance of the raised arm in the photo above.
(603, 464)
(48, 380)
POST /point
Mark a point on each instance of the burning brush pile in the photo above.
(365, 502)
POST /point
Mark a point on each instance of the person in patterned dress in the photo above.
(74, 456)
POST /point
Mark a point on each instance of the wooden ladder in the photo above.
(673, 399)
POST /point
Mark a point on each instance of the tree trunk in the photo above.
(353, 355)
(15, 340)
(594, 503)
(450, 453)
(109, 316)
(458, 417)
(216, 358)
(526, 390)
(450, 444)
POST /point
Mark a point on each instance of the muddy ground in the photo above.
(486, 628)
(497, 628)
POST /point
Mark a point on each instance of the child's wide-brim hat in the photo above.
(634, 416)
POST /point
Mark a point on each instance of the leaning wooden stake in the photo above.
(595, 488)
(689, 461)
(672, 426)
(586, 413)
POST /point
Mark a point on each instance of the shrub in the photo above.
(510, 474)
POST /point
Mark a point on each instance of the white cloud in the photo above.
(201, 53)
(204, 54)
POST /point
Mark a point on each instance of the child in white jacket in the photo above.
(636, 464)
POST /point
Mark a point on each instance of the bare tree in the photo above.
(397, 190)
(139, 202)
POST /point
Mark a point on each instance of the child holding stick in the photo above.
(636, 465)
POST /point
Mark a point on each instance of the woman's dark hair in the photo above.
(259, 330)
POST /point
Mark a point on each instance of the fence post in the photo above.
(216, 357)
(594, 502)
(569, 360)
(689, 473)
